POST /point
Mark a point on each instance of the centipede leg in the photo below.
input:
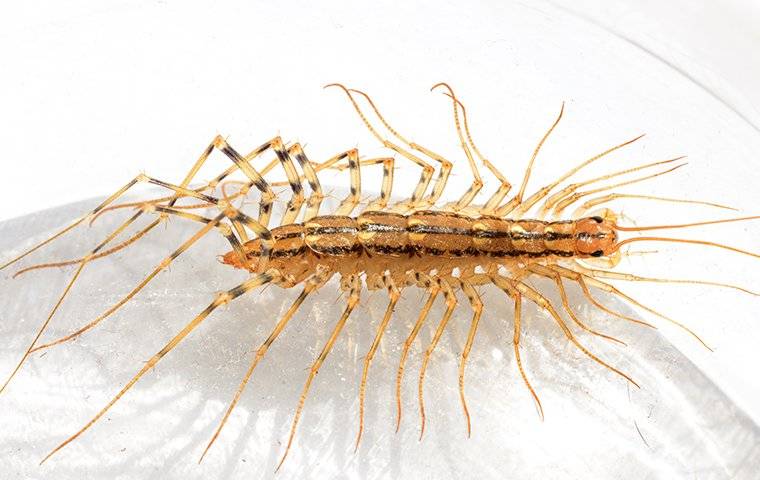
(570, 199)
(518, 198)
(85, 260)
(557, 279)
(353, 300)
(427, 170)
(433, 288)
(628, 277)
(355, 192)
(544, 191)
(394, 294)
(477, 309)
(577, 277)
(316, 197)
(611, 289)
(543, 303)
(505, 285)
(477, 180)
(451, 303)
(209, 225)
(310, 287)
(443, 175)
(504, 185)
(221, 299)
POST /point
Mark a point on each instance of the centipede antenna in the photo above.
(684, 225)
(684, 240)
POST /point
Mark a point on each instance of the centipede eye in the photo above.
(597, 253)
(597, 219)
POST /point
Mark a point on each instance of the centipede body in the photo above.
(391, 247)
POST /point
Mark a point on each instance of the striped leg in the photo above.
(310, 286)
(221, 299)
(416, 200)
(446, 166)
(163, 265)
(353, 300)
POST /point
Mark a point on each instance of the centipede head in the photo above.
(596, 238)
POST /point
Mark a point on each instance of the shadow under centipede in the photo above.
(161, 426)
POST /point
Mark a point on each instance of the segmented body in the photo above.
(419, 241)
(377, 242)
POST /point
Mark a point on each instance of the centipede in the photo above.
(563, 233)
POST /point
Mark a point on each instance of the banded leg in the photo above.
(394, 294)
(543, 303)
(316, 197)
(221, 299)
(451, 303)
(508, 207)
(477, 310)
(163, 265)
(440, 183)
(511, 292)
(108, 201)
(386, 186)
(309, 287)
(353, 300)
(255, 178)
(87, 258)
(427, 171)
(433, 288)
(355, 194)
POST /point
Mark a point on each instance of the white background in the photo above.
(91, 94)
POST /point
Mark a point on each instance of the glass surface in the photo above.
(596, 425)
